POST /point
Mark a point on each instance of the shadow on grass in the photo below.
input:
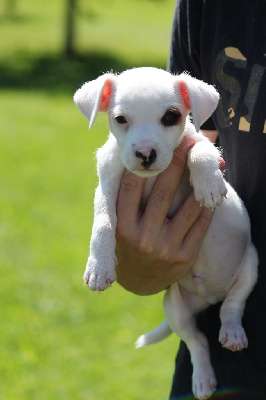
(54, 73)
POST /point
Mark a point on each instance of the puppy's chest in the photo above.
(184, 189)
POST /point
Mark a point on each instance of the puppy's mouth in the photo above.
(146, 173)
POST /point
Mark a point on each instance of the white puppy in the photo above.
(148, 115)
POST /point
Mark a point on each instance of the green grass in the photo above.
(57, 340)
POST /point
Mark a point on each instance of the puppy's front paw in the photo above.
(233, 337)
(209, 188)
(100, 274)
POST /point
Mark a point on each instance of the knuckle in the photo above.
(120, 234)
(165, 254)
(180, 155)
(124, 235)
(160, 253)
(190, 214)
(184, 256)
(129, 183)
(145, 246)
(205, 219)
(161, 194)
(179, 159)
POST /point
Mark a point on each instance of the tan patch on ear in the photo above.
(185, 95)
(106, 94)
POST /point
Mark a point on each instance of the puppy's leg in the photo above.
(180, 307)
(205, 175)
(232, 335)
(100, 268)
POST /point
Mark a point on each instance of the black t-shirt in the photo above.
(223, 42)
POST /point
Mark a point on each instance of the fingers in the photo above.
(128, 201)
(221, 164)
(165, 188)
(184, 219)
(195, 235)
(188, 227)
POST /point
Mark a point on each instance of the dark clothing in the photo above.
(223, 42)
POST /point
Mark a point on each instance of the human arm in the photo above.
(211, 134)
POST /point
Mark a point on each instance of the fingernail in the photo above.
(187, 143)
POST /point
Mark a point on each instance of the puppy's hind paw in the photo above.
(233, 337)
(204, 383)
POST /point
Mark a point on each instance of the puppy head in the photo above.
(147, 110)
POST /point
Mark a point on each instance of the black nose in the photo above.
(147, 160)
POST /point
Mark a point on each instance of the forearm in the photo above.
(212, 135)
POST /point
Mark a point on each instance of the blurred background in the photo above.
(57, 339)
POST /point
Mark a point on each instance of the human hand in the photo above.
(153, 251)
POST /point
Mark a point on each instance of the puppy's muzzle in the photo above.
(148, 157)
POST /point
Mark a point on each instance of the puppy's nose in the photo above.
(148, 157)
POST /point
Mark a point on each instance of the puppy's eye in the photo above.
(171, 117)
(121, 119)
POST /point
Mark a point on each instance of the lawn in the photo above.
(57, 339)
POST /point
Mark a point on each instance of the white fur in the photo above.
(226, 267)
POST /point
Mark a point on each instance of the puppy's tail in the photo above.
(158, 334)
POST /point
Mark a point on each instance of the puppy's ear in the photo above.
(95, 96)
(198, 97)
